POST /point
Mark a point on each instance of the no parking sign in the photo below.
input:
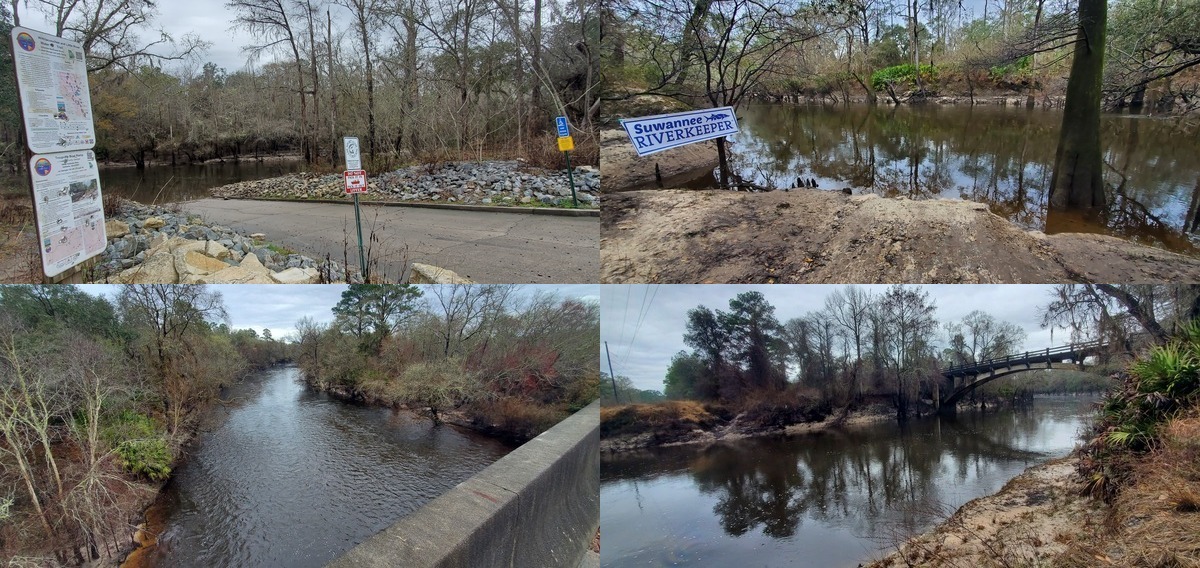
(356, 181)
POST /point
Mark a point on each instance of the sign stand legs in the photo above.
(362, 259)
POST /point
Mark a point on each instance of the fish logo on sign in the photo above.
(26, 41)
(650, 134)
(353, 160)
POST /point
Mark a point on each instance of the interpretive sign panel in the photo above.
(353, 159)
(53, 84)
(651, 134)
(356, 181)
(68, 207)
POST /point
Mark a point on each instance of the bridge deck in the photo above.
(1049, 355)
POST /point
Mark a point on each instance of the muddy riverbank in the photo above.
(622, 170)
(1044, 517)
(684, 423)
(816, 236)
(1036, 516)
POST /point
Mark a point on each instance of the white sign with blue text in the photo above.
(651, 134)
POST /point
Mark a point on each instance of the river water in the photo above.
(293, 478)
(166, 184)
(1002, 156)
(830, 499)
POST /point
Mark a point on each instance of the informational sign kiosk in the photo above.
(56, 109)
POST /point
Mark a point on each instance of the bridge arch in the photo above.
(957, 394)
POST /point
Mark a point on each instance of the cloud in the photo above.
(644, 324)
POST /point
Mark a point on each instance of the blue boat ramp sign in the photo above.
(563, 129)
(651, 134)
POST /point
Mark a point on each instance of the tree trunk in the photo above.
(1139, 97)
(304, 147)
(312, 43)
(410, 79)
(688, 43)
(366, 40)
(519, 76)
(1078, 183)
(723, 160)
(535, 63)
(333, 137)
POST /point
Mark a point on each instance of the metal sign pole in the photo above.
(565, 145)
(362, 259)
(571, 178)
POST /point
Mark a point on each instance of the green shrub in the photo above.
(141, 447)
(128, 425)
(146, 457)
(903, 76)
(1157, 388)
(1020, 67)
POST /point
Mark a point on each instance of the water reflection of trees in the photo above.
(997, 155)
(872, 480)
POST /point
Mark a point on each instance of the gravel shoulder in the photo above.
(493, 183)
(814, 236)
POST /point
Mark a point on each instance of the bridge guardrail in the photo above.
(537, 506)
(1028, 357)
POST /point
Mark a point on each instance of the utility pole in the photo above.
(610, 373)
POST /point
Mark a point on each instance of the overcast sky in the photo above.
(208, 19)
(279, 307)
(644, 324)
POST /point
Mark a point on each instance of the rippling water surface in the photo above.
(292, 478)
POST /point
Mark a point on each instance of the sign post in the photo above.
(356, 183)
(565, 145)
(56, 109)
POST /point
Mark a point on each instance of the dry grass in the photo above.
(768, 410)
(540, 151)
(665, 420)
(1155, 521)
(20, 259)
(514, 418)
(1159, 513)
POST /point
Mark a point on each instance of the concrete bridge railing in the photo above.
(538, 506)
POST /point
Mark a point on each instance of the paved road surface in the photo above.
(486, 247)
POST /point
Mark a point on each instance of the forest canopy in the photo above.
(416, 80)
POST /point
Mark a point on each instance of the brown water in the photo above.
(166, 184)
(1002, 156)
(824, 500)
(291, 478)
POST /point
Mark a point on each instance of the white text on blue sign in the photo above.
(651, 134)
